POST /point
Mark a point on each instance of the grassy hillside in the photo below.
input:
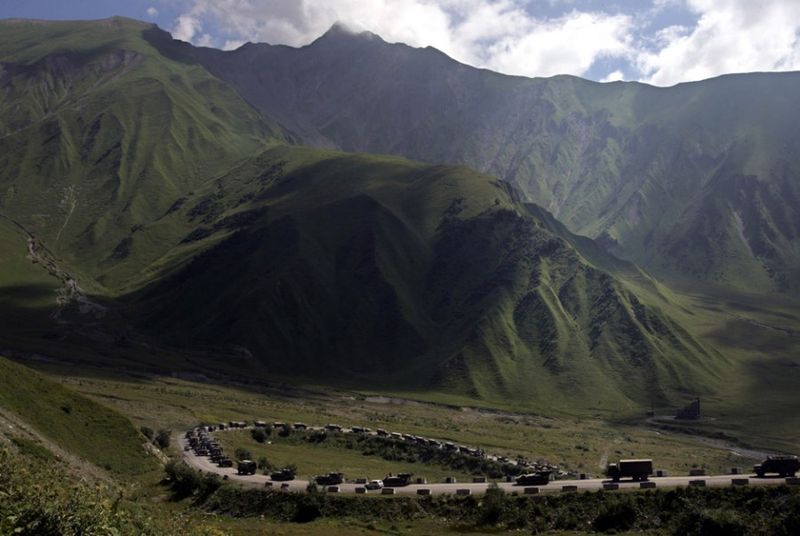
(377, 270)
(185, 235)
(98, 132)
(75, 423)
(695, 182)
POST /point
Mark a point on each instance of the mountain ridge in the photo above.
(596, 155)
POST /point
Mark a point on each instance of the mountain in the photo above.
(380, 271)
(99, 132)
(697, 182)
(174, 219)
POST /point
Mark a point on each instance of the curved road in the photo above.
(204, 464)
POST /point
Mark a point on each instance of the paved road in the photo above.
(204, 464)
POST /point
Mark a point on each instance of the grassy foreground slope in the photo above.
(75, 423)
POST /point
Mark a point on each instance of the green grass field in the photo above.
(312, 459)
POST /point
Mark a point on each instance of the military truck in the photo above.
(246, 467)
(283, 475)
(539, 478)
(399, 480)
(633, 469)
(331, 479)
(225, 462)
(780, 465)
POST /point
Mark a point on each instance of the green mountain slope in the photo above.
(695, 182)
(168, 214)
(82, 427)
(379, 271)
(98, 131)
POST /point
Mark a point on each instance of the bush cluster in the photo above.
(41, 499)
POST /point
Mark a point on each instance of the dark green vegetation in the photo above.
(170, 214)
(696, 182)
(732, 511)
(64, 506)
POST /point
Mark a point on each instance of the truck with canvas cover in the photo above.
(246, 467)
(633, 469)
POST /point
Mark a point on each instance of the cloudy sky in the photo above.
(662, 42)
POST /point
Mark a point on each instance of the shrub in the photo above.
(264, 465)
(308, 509)
(493, 505)
(183, 480)
(148, 432)
(710, 523)
(242, 454)
(259, 434)
(618, 516)
(162, 438)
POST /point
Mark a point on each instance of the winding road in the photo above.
(204, 464)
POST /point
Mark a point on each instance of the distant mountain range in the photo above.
(696, 182)
(174, 197)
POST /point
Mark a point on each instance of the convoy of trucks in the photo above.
(638, 470)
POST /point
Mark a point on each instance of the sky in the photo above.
(661, 42)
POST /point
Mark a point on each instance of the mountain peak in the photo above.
(339, 31)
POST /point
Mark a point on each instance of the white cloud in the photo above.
(712, 37)
(569, 44)
(730, 36)
(613, 76)
(152, 12)
(497, 34)
(232, 44)
(187, 26)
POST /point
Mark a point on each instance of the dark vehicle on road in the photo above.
(633, 469)
(246, 467)
(225, 462)
(539, 478)
(283, 475)
(780, 465)
(394, 481)
(331, 479)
